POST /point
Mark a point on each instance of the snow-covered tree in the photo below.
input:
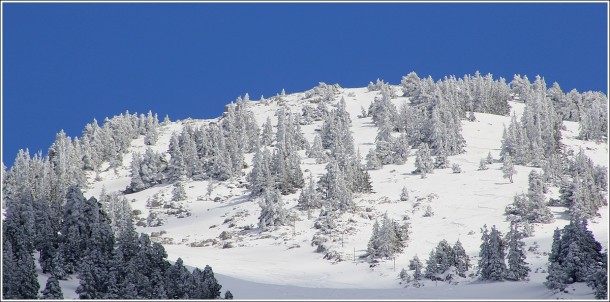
(316, 151)
(423, 161)
(52, 290)
(404, 194)
(273, 212)
(517, 267)
(372, 160)
(483, 165)
(178, 192)
(461, 261)
(508, 168)
(492, 264)
(310, 197)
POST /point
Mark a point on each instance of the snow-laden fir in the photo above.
(463, 188)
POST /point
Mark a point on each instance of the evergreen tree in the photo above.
(267, 134)
(483, 164)
(404, 194)
(431, 266)
(228, 295)
(316, 151)
(372, 160)
(508, 168)
(517, 267)
(52, 290)
(461, 261)
(178, 193)
(260, 177)
(497, 265)
(484, 255)
(272, 210)
(310, 198)
(373, 244)
(177, 281)
(423, 161)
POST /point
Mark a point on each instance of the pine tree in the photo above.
(316, 151)
(228, 295)
(373, 244)
(178, 193)
(177, 281)
(461, 261)
(272, 210)
(423, 161)
(497, 265)
(404, 194)
(310, 198)
(52, 290)
(517, 267)
(267, 134)
(388, 242)
(431, 266)
(484, 255)
(483, 164)
(372, 160)
(508, 168)
(260, 177)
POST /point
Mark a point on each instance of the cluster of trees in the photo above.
(388, 149)
(577, 257)
(345, 173)
(111, 261)
(530, 207)
(445, 261)
(111, 141)
(388, 238)
(280, 170)
(323, 92)
(147, 170)
(47, 213)
(212, 151)
(537, 137)
(589, 108)
(493, 257)
(432, 117)
(582, 187)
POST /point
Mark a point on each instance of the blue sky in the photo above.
(65, 64)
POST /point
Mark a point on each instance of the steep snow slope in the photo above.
(282, 263)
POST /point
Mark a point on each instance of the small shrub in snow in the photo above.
(404, 276)
(483, 165)
(404, 195)
(456, 168)
(429, 212)
(489, 160)
(225, 235)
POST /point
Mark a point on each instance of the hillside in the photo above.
(282, 263)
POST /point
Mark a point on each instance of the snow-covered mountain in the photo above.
(218, 224)
(465, 188)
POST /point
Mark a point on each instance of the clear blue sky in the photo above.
(65, 64)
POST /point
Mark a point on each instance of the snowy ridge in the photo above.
(282, 263)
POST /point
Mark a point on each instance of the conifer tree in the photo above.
(260, 177)
(310, 197)
(178, 193)
(372, 160)
(272, 210)
(508, 168)
(461, 261)
(404, 194)
(517, 267)
(52, 290)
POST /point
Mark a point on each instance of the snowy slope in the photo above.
(282, 264)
